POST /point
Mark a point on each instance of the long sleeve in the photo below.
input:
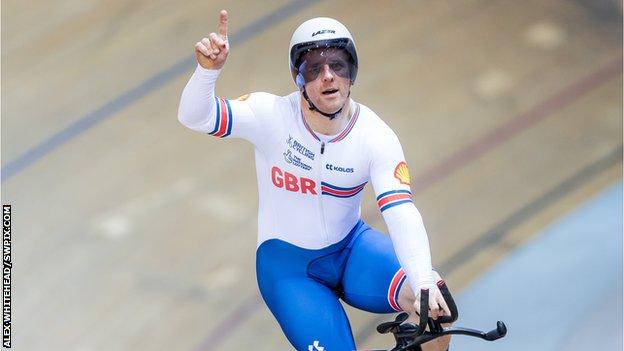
(197, 109)
(201, 110)
(391, 182)
(411, 244)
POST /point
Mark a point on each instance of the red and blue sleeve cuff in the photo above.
(393, 198)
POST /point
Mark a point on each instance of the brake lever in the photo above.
(499, 332)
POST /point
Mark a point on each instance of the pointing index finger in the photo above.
(223, 23)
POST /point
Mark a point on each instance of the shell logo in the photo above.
(401, 172)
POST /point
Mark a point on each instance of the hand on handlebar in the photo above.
(437, 305)
(410, 337)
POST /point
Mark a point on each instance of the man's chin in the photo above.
(332, 107)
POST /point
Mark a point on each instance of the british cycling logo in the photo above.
(295, 160)
(295, 145)
(315, 346)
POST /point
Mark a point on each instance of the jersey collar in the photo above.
(342, 134)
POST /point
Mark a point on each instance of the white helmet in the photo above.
(320, 32)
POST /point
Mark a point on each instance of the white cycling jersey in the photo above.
(310, 185)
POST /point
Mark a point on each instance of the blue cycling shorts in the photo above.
(302, 287)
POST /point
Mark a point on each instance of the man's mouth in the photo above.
(329, 91)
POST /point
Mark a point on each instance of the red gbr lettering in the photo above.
(290, 182)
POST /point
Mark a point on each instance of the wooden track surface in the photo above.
(134, 233)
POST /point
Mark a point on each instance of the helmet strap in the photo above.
(313, 107)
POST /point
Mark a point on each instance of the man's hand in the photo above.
(437, 305)
(212, 52)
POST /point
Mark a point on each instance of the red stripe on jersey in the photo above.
(395, 197)
(223, 119)
(342, 192)
(392, 290)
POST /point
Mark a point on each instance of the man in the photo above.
(315, 151)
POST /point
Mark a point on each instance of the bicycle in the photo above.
(410, 337)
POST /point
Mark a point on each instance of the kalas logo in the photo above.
(324, 31)
(339, 169)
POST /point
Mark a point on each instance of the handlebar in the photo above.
(410, 336)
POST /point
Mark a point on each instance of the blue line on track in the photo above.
(560, 289)
(129, 97)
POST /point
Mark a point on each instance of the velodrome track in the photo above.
(587, 240)
(134, 233)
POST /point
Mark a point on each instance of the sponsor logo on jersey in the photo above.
(295, 145)
(338, 168)
(243, 97)
(316, 346)
(401, 172)
(290, 182)
(295, 160)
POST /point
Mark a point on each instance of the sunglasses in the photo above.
(314, 63)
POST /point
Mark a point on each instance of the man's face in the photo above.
(327, 76)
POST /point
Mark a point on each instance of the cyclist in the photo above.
(315, 151)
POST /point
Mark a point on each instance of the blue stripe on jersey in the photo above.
(336, 191)
(339, 188)
(229, 111)
(393, 192)
(392, 204)
(342, 196)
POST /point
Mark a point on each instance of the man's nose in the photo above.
(327, 73)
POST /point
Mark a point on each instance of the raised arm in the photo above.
(198, 105)
(201, 110)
